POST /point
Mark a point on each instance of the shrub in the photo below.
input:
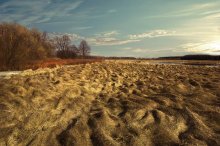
(19, 45)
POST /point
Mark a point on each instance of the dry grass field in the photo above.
(54, 62)
(111, 103)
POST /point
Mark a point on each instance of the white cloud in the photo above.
(213, 16)
(108, 33)
(153, 34)
(109, 41)
(105, 40)
(136, 50)
(203, 47)
(111, 33)
(109, 38)
(164, 50)
(153, 52)
(147, 50)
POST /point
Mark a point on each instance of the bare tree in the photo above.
(84, 49)
(48, 44)
(73, 51)
(64, 47)
(62, 43)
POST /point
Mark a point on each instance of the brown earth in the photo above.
(111, 103)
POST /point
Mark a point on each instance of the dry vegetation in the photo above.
(21, 48)
(112, 103)
(20, 45)
(55, 62)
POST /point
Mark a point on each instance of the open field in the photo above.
(53, 62)
(111, 103)
(187, 62)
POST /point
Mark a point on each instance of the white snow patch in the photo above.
(8, 74)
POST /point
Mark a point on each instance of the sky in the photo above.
(134, 28)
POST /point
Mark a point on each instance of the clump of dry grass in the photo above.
(54, 62)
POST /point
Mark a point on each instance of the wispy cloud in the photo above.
(153, 34)
(210, 12)
(136, 50)
(196, 9)
(145, 52)
(203, 47)
(112, 11)
(213, 16)
(72, 36)
(83, 28)
(108, 33)
(109, 41)
(26, 12)
(109, 38)
(102, 39)
(68, 7)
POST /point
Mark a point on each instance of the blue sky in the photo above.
(139, 28)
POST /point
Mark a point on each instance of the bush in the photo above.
(65, 54)
(20, 45)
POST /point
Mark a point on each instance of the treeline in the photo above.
(192, 57)
(20, 45)
(170, 58)
(67, 50)
(200, 57)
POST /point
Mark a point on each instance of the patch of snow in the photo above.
(8, 74)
